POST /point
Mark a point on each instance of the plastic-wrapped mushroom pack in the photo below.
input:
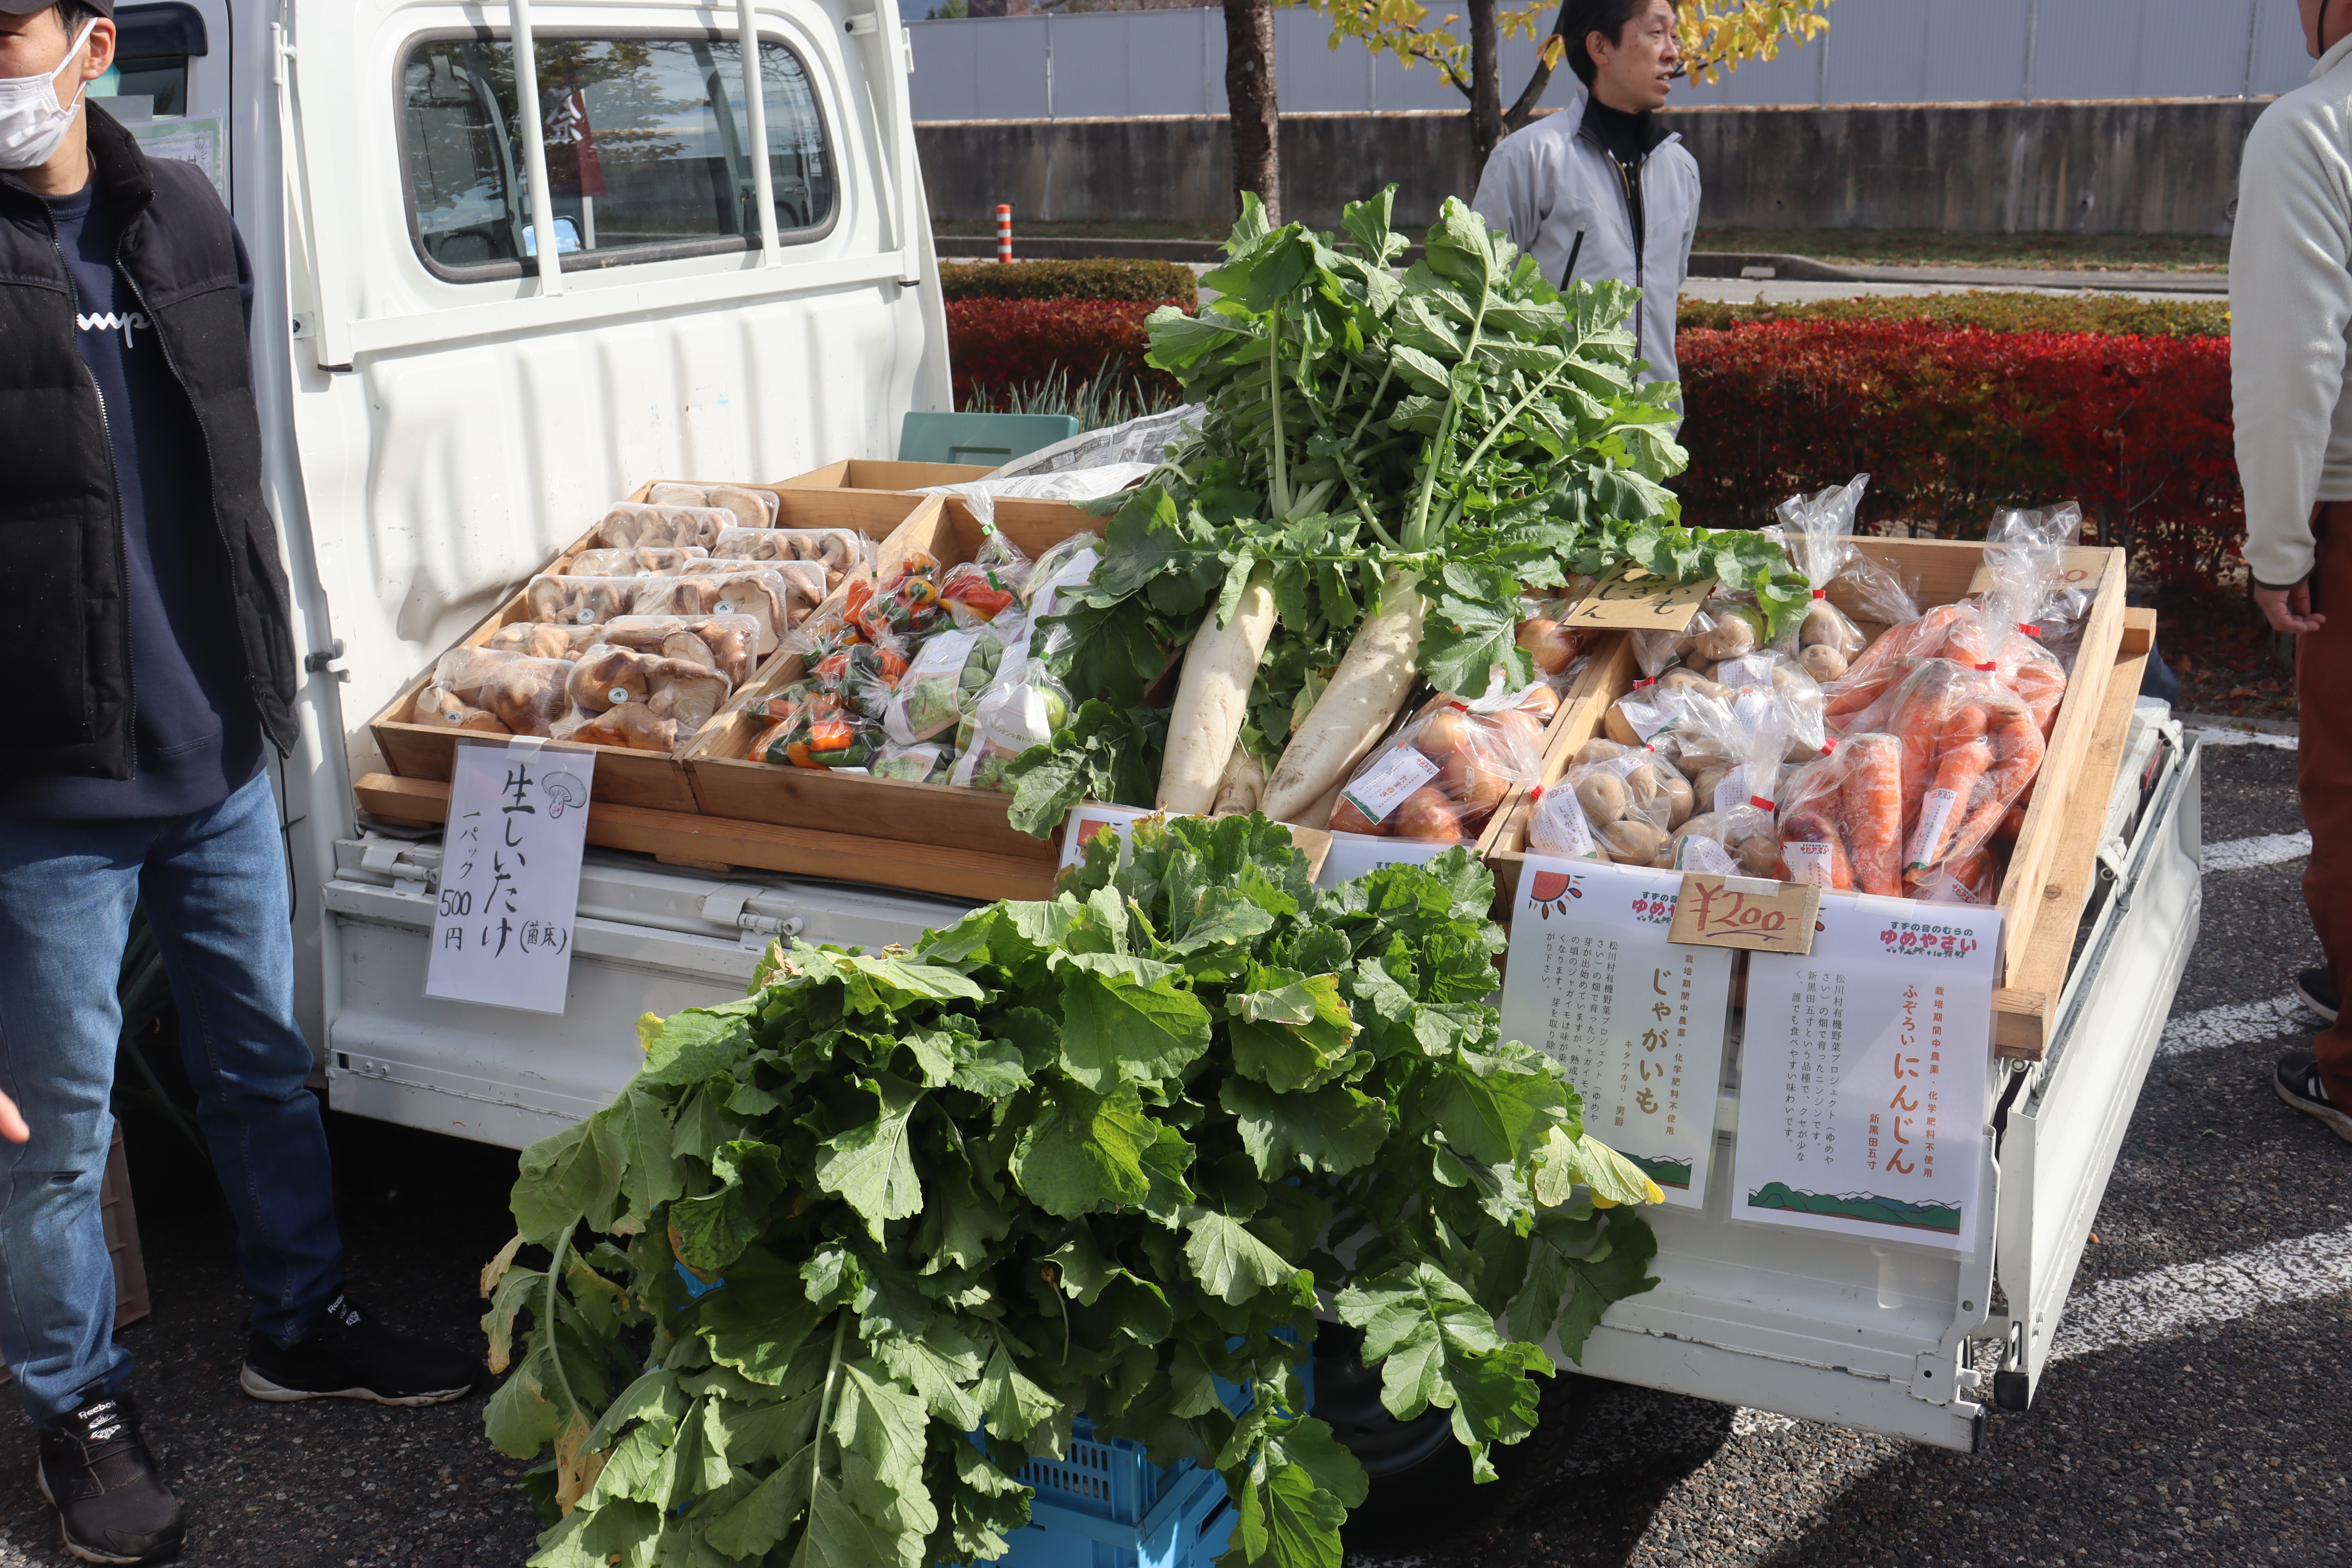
(636, 525)
(749, 507)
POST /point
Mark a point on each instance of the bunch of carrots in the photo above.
(1945, 722)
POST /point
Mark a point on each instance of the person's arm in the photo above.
(2290, 306)
(1508, 197)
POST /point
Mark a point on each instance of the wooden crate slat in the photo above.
(684, 838)
(2037, 967)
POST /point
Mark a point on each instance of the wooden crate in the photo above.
(728, 784)
(876, 477)
(625, 775)
(2042, 896)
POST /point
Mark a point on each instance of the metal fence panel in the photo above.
(1973, 53)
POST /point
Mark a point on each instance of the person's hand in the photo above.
(12, 1124)
(2289, 609)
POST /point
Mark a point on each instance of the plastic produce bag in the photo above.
(1737, 814)
(578, 601)
(751, 508)
(775, 596)
(492, 691)
(644, 561)
(861, 676)
(1016, 713)
(823, 737)
(840, 551)
(634, 524)
(647, 702)
(546, 639)
(1818, 530)
(1443, 776)
(926, 761)
(1631, 801)
(1555, 648)
(943, 681)
(728, 644)
(2057, 620)
(985, 588)
(903, 602)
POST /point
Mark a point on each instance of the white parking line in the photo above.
(2244, 738)
(2237, 1024)
(2172, 1301)
(2270, 849)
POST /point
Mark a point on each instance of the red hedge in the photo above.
(997, 345)
(1954, 422)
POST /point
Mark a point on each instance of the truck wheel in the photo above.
(1421, 1475)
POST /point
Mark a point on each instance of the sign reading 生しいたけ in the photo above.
(1634, 1018)
(502, 931)
(1866, 1071)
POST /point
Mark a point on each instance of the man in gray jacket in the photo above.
(1600, 189)
(2291, 317)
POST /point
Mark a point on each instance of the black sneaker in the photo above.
(2298, 1084)
(350, 1355)
(111, 1505)
(2317, 991)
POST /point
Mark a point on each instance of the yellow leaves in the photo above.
(1717, 35)
(496, 1269)
(1554, 48)
(575, 1472)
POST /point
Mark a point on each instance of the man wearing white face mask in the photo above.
(143, 603)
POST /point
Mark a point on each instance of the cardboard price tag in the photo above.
(1632, 599)
(1744, 911)
(511, 875)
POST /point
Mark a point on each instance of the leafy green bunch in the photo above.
(1465, 424)
(873, 1237)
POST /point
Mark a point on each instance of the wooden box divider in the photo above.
(2043, 894)
(883, 476)
(727, 783)
(625, 775)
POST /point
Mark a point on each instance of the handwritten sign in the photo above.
(1866, 1075)
(1632, 599)
(2081, 566)
(502, 935)
(1760, 915)
(1636, 1020)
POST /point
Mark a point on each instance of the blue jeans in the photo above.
(213, 883)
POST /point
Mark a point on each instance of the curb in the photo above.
(2230, 721)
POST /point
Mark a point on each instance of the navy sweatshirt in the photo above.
(195, 737)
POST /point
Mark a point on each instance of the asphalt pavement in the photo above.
(2196, 1413)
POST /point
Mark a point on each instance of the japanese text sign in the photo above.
(1762, 916)
(1636, 1020)
(511, 876)
(1630, 599)
(1866, 1075)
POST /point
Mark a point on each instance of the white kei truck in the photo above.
(467, 339)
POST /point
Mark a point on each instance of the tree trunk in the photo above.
(1249, 96)
(1518, 116)
(1486, 90)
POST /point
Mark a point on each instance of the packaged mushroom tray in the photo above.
(635, 638)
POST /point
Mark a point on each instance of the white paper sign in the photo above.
(1866, 1077)
(1354, 853)
(511, 876)
(1087, 819)
(1636, 1020)
(1387, 781)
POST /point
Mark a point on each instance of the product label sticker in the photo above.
(1557, 827)
(1935, 810)
(1808, 863)
(511, 876)
(1700, 853)
(1636, 1020)
(1731, 789)
(1865, 1079)
(1387, 781)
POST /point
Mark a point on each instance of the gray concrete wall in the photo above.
(2145, 166)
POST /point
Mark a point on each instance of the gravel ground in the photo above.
(2225, 1443)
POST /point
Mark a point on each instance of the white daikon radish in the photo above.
(1355, 708)
(1212, 698)
(1243, 781)
(1319, 816)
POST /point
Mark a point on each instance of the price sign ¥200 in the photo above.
(1745, 912)
(502, 930)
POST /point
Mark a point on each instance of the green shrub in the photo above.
(2000, 312)
(1101, 278)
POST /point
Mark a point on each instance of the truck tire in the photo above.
(1421, 1487)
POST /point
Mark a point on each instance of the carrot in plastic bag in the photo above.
(1813, 837)
(1885, 663)
(1870, 797)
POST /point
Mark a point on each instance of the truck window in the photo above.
(645, 154)
(152, 47)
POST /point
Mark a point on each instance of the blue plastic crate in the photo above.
(1103, 1504)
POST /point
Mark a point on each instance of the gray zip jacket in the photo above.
(1549, 183)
